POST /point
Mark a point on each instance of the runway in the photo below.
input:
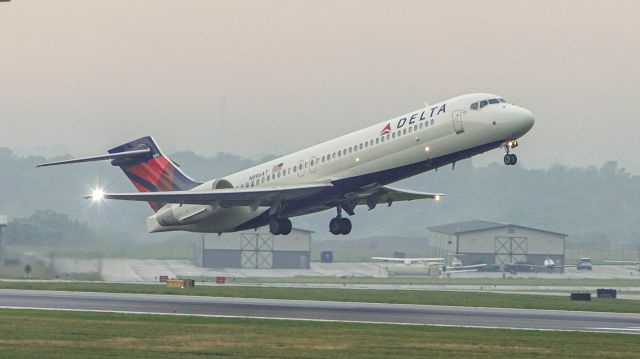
(324, 311)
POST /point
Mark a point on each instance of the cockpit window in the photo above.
(483, 103)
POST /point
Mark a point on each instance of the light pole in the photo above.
(3, 223)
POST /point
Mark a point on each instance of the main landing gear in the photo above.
(340, 225)
(280, 226)
(510, 159)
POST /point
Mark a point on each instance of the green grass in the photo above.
(58, 334)
(496, 300)
(586, 282)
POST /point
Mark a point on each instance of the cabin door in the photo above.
(457, 122)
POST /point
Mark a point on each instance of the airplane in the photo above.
(445, 270)
(343, 173)
(548, 264)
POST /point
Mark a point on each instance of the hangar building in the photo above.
(256, 249)
(497, 243)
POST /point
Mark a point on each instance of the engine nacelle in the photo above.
(176, 214)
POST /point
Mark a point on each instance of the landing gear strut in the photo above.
(510, 159)
(280, 226)
(339, 225)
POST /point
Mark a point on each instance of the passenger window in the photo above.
(393, 135)
(361, 146)
(306, 165)
(322, 159)
(339, 153)
(483, 104)
(350, 149)
(474, 106)
(371, 143)
(388, 137)
(268, 177)
(421, 125)
(300, 167)
(312, 162)
(410, 129)
(377, 140)
(493, 101)
(404, 132)
(294, 168)
(415, 127)
(263, 180)
(366, 145)
(431, 121)
(334, 155)
(382, 139)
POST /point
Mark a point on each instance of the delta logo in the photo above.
(386, 129)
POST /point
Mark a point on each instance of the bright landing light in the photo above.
(97, 195)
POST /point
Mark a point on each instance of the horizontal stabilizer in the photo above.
(111, 156)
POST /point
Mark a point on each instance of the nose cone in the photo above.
(525, 119)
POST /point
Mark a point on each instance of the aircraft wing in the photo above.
(385, 194)
(255, 196)
(407, 260)
(461, 271)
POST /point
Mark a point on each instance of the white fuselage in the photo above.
(415, 142)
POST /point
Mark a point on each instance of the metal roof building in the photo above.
(256, 249)
(497, 243)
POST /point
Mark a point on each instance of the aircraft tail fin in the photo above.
(151, 171)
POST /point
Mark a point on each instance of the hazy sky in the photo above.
(93, 74)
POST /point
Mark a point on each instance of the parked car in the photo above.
(584, 263)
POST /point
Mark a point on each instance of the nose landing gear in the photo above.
(510, 159)
(339, 225)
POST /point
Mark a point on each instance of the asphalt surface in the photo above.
(323, 310)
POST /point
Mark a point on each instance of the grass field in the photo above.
(57, 334)
(496, 300)
(587, 282)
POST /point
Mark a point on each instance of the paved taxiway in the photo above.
(321, 310)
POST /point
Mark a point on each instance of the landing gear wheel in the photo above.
(275, 227)
(510, 159)
(340, 226)
(345, 226)
(280, 226)
(335, 226)
(285, 226)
